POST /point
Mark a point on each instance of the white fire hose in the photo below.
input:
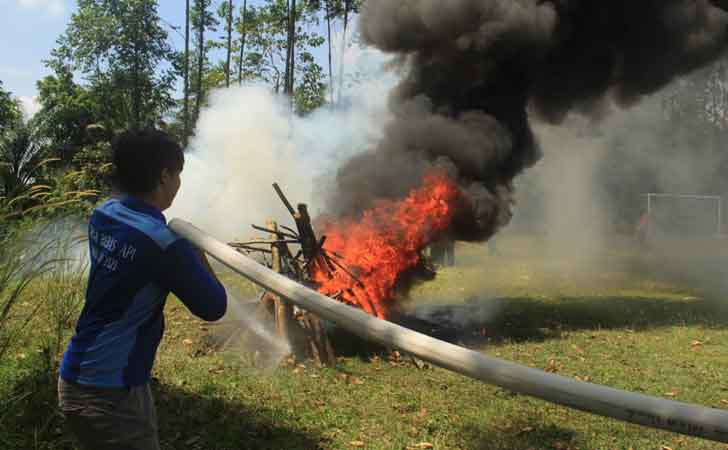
(694, 420)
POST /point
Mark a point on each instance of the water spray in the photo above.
(653, 412)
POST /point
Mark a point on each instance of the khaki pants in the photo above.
(110, 419)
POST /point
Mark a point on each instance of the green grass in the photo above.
(613, 320)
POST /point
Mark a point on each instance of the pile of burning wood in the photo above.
(367, 261)
(292, 252)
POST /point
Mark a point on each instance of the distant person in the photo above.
(642, 227)
(136, 261)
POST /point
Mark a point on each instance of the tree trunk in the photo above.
(331, 67)
(229, 42)
(186, 114)
(200, 55)
(136, 94)
(288, 47)
(287, 75)
(242, 43)
(343, 50)
(292, 44)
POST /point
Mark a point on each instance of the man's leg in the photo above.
(110, 419)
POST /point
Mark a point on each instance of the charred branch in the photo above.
(283, 198)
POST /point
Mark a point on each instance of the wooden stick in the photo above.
(341, 266)
(268, 242)
(251, 249)
(284, 199)
(280, 233)
(305, 230)
(283, 308)
(329, 263)
(291, 230)
(321, 243)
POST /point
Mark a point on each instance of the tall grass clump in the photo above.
(43, 269)
(61, 290)
(20, 266)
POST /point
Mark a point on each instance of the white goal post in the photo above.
(660, 206)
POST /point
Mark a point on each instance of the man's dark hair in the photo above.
(140, 157)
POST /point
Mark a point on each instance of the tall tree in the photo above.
(267, 34)
(341, 10)
(120, 47)
(21, 158)
(225, 13)
(203, 20)
(291, 49)
(186, 115)
(229, 42)
(9, 110)
(201, 11)
(328, 40)
(347, 6)
(20, 155)
(242, 26)
(66, 111)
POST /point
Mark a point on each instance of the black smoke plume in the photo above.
(476, 70)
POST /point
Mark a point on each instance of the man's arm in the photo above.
(206, 263)
(186, 272)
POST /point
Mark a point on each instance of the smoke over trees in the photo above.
(476, 70)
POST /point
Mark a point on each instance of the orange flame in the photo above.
(384, 243)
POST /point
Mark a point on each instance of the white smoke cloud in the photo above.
(247, 139)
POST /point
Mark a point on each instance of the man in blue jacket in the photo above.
(136, 261)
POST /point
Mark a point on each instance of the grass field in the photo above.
(617, 320)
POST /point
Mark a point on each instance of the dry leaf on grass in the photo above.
(424, 445)
(187, 341)
(552, 366)
(356, 444)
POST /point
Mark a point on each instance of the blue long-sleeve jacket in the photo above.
(136, 261)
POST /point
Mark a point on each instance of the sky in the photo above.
(29, 29)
